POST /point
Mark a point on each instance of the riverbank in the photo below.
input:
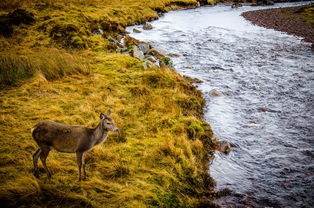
(294, 20)
(60, 63)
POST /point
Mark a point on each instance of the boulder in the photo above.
(137, 53)
(147, 26)
(158, 53)
(144, 47)
(151, 59)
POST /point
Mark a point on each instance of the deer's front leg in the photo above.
(83, 163)
(79, 160)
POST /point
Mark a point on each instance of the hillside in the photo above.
(54, 67)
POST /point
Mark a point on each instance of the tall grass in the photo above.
(52, 63)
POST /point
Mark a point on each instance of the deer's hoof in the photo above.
(36, 174)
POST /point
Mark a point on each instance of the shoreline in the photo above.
(286, 20)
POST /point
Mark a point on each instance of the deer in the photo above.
(69, 139)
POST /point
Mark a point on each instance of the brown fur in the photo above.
(70, 139)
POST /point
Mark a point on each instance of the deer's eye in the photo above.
(108, 123)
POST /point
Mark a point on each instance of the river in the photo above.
(267, 110)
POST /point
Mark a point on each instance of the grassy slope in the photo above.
(159, 159)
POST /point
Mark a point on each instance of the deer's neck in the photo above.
(100, 133)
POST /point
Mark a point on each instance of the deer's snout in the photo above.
(116, 130)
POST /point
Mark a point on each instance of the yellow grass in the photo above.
(155, 152)
(160, 159)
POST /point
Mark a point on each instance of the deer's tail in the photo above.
(34, 130)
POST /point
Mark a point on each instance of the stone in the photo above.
(193, 80)
(112, 40)
(224, 147)
(144, 47)
(215, 93)
(174, 55)
(236, 5)
(136, 30)
(119, 37)
(166, 61)
(147, 64)
(137, 53)
(155, 52)
(151, 59)
(147, 26)
(98, 32)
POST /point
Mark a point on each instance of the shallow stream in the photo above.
(267, 111)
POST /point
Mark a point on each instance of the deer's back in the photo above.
(64, 138)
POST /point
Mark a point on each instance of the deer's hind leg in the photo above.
(43, 156)
(35, 162)
(80, 159)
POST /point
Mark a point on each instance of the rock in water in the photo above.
(236, 5)
(215, 93)
(137, 53)
(136, 30)
(224, 147)
(147, 26)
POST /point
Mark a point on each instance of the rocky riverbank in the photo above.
(293, 20)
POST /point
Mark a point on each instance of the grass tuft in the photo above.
(51, 64)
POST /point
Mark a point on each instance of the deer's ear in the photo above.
(108, 113)
(102, 116)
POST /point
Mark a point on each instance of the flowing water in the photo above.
(267, 109)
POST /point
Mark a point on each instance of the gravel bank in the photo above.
(283, 19)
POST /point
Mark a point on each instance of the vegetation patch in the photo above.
(58, 68)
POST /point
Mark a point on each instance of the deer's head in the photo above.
(108, 123)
